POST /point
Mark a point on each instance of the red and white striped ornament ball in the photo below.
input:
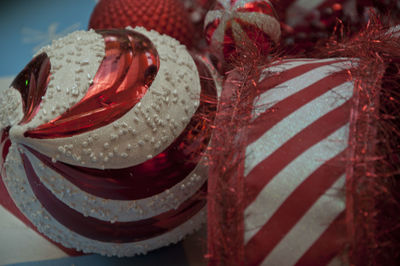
(234, 24)
(100, 143)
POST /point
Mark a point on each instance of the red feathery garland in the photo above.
(226, 163)
(373, 195)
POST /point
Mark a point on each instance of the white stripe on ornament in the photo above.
(219, 33)
(274, 95)
(279, 134)
(299, 9)
(41, 218)
(117, 210)
(211, 16)
(286, 181)
(310, 227)
(225, 3)
(265, 23)
(239, 36)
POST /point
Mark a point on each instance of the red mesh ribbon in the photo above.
(372, 186)
(226, 162)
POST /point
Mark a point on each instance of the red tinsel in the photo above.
(373, 171)
(226, 163)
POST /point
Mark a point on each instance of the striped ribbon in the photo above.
(295, 164)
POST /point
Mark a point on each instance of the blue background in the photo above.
(25, 24)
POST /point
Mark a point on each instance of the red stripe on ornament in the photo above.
(155, 175)
(7, 202)
(294, 208)
(256, 35)
(262, 7)
(263, 173)
(123, 78)
(279, 111)
(328, 245)
(118, 232)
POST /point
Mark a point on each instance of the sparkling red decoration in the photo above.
(165, 16)
(373, 199)
(127, 71)
(236, 24)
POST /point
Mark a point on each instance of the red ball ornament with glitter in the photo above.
(164, 16)
(236, 24)
(113, 141)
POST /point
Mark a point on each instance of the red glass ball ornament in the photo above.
(238, 24)
(164, 16)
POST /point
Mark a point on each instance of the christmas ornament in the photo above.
(235, 24)
(302, 164)
(165, 16)
(102, 140)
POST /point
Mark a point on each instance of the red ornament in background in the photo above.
(197, 10)
(127, 71)
(164, 16)
(234, 24)
(305, 25)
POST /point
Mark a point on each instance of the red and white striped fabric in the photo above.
(295, 164)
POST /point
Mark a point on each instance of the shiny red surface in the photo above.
(7, 202)
(128, 69)
(210, 29)
(32, 82)
(260, 7)
(118, 232)
(159, 173)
